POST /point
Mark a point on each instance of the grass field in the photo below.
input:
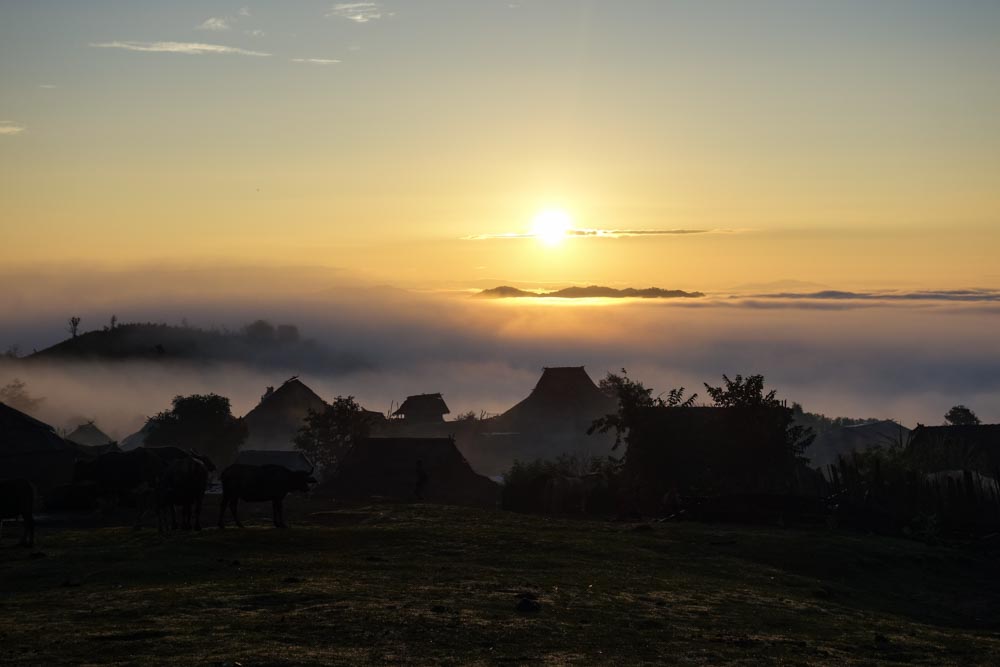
(425, 584)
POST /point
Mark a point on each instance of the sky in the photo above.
(827, 173)
(848, 142)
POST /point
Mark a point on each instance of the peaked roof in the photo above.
(830, 445)
(89, 435)
(957, 447)
(432, 404)
(293, 394)
(23, 434)
(563, 393)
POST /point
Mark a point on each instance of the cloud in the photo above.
(900, 359)
(46, 85)
(187, 48)
(602, 233)
(254, 33)
(315, 61)
(244, 11)
(359, 12)
(963, 295)
(214, 24)
(10, 127)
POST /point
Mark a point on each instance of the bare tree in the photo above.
(74, 325)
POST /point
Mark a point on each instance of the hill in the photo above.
(589, 292)
(259, 344)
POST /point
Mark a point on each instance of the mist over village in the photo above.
(499, 333)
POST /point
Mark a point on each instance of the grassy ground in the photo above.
(424, 584)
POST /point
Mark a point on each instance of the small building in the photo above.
(972, 447)
(89, 435)
(275, 421)
(31, 450)
(423, 408)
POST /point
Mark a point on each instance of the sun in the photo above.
(551, 226)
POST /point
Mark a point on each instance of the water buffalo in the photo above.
(17, 497)
(258, 484)
(119, 475)
(183, 483)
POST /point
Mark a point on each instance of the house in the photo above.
(275, 421)
(89, 435)
(709, 451)
(937, 448)
(552, 420)
(422, 409)
(428, 469)
(830, 445)
(30, 449)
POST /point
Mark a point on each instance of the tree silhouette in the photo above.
(329, 434)
(15, 394)
(202, 422)
(632, 396)
(960, 415)
(74, 325)
(742, 393)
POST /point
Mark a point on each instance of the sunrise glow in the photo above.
(551, 226)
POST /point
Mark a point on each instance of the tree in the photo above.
(329, 434)
(960, 415)
(740, 393)
(15, 394)
(202, 422)
(749, 393)
(260, 331)
(74, 325)
(632, 396)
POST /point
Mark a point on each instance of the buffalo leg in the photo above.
(197, 513)
(222, 511)
(236, 517)
(28, 538)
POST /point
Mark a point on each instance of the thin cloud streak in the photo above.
(8, 127)
(359, 12)
(315, 61)
(214, 24)
(602, 233)
(186, 48)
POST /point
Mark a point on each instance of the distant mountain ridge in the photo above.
(591, 291)
(258, 344)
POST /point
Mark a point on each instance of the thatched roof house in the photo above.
(935, 448)
(274, 422)
(829, 446)
(30, 449)
(407, 468)
(89, 435)
(565, 395)
(423, 408)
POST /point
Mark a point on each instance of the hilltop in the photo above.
(258, 344)
(589, 292)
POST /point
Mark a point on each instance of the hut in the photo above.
(972, 447)
(428, 469)
(30, 449)
(89, 435)
(830, 445)
(275, 421)
(423, 409)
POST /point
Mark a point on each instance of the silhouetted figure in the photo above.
(418, 492)
(260, 484)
